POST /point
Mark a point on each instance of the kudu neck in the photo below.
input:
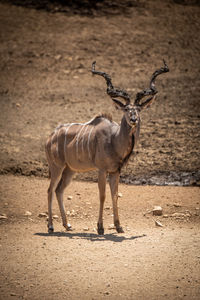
(126, 135)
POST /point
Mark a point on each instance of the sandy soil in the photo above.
(146, 262)
(45, 80)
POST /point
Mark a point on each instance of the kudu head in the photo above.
(132, 110)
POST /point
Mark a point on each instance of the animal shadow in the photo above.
(93, 237)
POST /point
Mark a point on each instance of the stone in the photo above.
(178, 215)
(157, 211)
(85, 229)
(177, 205)
(3, 217)
(55, 217)
(120, 195)
(107, 207)
(58, 57)
(28, 213)
(43, 215)
(111, 226)
(165, 216)
(159, 224)
(66, 72)
(69, 198)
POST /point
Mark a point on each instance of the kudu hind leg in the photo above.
(102, 189)
(64, 182)
(55, 177)
(114, 181)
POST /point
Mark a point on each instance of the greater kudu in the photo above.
(98, 144)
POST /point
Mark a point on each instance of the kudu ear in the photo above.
(118, 104)
(147, 103)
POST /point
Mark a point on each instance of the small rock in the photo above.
(58, 57)
(85, 229)
(107, 207)
(120, 195)
(55, 217)
(177, 205)
(42, 215)
(157, 211)
(106, 293)
(165, 216)
(28, 213)
(69, 198)
(178, 215)
(159, 224)
(3, 217)
(111, 226)
(66, 72)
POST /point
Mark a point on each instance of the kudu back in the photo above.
(99, 144)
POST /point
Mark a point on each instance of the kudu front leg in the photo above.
(102, 190)
(114, 181)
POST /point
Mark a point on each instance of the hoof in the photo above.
(50, 229)
(120, 229)
(69, 227)
(100, 231)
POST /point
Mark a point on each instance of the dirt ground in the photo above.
(146, 262)
(45, 80)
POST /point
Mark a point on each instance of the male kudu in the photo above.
(98, 144)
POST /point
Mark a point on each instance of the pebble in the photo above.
(66, 71)
(111, 226)
(165, 216)
(28, 213)
(3, 217)
(177, 205)
(55, 217)
(178, 215)
(120, 195)
(157, 211)
(69, 198)
(159, 224)
(58, 57)
(107, 207)
(85, 229)
(42, 215)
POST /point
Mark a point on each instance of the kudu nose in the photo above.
(133, 119)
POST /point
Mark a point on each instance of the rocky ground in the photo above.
(46, 80)
(45, 60)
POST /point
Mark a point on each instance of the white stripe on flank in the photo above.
(66, 130)
(86, 127)
(88, 143)
(52, 145)
(67, 126)
(77, 139)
